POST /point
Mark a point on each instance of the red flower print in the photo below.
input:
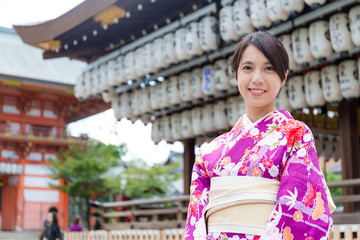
(267, 162)
(257, 137)
(256, 237)
(256, 172)
(307, 160)
(309, 238)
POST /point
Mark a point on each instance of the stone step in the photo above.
(28, 235)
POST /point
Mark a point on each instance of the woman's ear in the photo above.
(286, 75)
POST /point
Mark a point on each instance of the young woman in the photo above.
(261, 180)
(52, 230)
(76, 226)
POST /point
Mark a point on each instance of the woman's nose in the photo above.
(257, 77)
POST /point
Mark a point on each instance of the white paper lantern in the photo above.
(196, 83)
(158, 54)
(129, 66)
(196, 121)
(209, 33)
(226, 24)
(149, 65)
(354, 17)
(222, 81)
(145, 106)
(293, 7)
(186, 126)
(161, 95)
(165, 94)
(207, 112)
(313, 91)
(282, 101)
(154, 98)
(319, 35)
(208, 80)
(135, 102)
(232, 110)
(340, 33)
(276, 12)
(169, 53)
(120, 71)
(139, 61)
(184, 86)
(287, 42)
(315, 3)
(176, 126)
(349, 79)
(155, 131)
(301, 46)
(242, 105)
(241, 18)
(220, 118)
(173, 90)
(331, 84)
(296, 89)
(79, 89)
(230, 73)
(125, 106)
(162, 127)
(109, 95)
(258, 14)
(104, 85)
(192, 40)
(116, 105)
(168, 129)
(88, 84)
(95, 75)
(180, 45)
(111, 76)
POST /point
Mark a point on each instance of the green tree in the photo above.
(85, 172)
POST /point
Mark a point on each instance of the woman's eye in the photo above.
(246, 68)
(269, 68)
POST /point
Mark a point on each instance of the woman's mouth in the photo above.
(256, 92)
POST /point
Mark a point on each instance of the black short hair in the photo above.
(53, 209)
(269, 45)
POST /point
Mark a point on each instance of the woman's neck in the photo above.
(255, 114)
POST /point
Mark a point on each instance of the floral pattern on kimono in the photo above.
(275, 147)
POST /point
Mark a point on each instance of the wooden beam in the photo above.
(349, 145)
(189, 160)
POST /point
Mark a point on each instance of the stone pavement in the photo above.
(28, 235)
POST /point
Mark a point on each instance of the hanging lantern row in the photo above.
(198, 121)
(330, 84)
(340, 34)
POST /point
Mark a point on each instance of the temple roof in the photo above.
(95, 28)
(20, 61)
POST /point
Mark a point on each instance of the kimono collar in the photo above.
(248, 124)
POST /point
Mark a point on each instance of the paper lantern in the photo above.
(340, 33)
(315, 3)
(111, 76)
(109, 95)
(196, 121)
(293, 7)
(221, 77)
(230, 73)
(186, 126)
(155, 131)
(349, 79)
(331, 84)
(149, 65)
(79, 90)
(158, 54)
(120, 71)
(184, 86)
(354, 16)
(296, 89)
(116, 106)
(207, 113)
(258, 14)
(169, 53)
(286, 41)
(313, 91)
(135, 103)
(241, 17)
(220, 118)
(139, 62)
(227, 26)
(168, 129)
(161, 95)
(125, 106)
(192, 40)
(196, 83)
(301, 46)
(173, 90)
(129, 66)
(88, 84)
(319, 35)
(180, 45)
(208, 80)
(282, 100)
(176, 126)
(209, 33)
(164, 92)
(154, 98)
(104, 85)
(145, 106)
(276, 12)
(232, 110)
(95, 76)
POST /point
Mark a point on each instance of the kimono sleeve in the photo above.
(302, 211)
(195, 228)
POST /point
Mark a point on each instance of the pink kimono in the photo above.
(279, 149)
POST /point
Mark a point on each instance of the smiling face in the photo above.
(257, 81)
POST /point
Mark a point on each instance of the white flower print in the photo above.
(192, 220)
(216, 235)
(273, 171)
(301, 152)
(271, 232)
(194, 176)
(235, 238)
(292, 198)
(200, 230)
(254, 131)
(307, 137)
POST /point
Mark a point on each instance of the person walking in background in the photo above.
(52, 230)
(76, 226)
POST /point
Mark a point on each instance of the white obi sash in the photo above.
(240, 204)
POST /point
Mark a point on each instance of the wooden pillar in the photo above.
(189, 159)
(349, 145)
